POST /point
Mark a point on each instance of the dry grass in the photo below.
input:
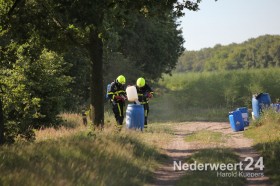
(70, 156)
(266, 134)
(157, 135)
(206, 139)
(72, 124)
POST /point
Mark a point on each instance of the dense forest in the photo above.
(261, 52)
(59, 56)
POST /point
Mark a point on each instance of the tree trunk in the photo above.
(1, 123)
(95, 49)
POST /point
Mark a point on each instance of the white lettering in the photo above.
(259, 164)
(230, 166)
(200, 167)
(206, 166)
(223, 166)
(179, 166)
(185, 166)
(193, 166)
(214, 166)
(236, 165)
(219, 174)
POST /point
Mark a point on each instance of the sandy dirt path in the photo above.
(178, 149)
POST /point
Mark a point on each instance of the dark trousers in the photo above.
(84, 120)
(118, 111)
(146, 112)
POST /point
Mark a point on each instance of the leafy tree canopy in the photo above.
(53, 51)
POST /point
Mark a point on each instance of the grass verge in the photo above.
(76, 158)
(266, 135)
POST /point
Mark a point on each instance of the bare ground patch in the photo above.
(178, 149)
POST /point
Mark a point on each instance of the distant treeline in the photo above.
(261, 52)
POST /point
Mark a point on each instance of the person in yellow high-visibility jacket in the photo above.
(117, 96)
(145, 93)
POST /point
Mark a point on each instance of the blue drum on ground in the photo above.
(236, 121)
(245, 115)
(260, 102)
(135, 116)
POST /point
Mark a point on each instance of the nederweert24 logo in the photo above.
(240, 169)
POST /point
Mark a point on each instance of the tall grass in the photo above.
(70, 156)
(266, 134)
(211, 95)
(72, 124)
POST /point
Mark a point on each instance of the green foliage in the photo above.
(211, 95)
(261, 52)
(38, 56)
(34, 91)
(117, 64)
(79, 71)
(139, 47)
(266, 134)
(147, 41)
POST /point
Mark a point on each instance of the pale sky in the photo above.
(229, 21)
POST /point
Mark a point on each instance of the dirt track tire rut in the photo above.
(178, 150)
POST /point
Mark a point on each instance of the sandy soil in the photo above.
(178, 149)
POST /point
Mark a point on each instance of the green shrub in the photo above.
(33, 91)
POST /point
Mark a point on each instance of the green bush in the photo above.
(33, 92)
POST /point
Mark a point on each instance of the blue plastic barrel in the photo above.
(255, 107)
(108, 90)
(135, 116)
(245, 115)
(260, 102)
(276, 107)
(236, 121)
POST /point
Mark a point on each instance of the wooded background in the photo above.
(58, 56)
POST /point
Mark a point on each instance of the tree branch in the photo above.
(59, 24)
